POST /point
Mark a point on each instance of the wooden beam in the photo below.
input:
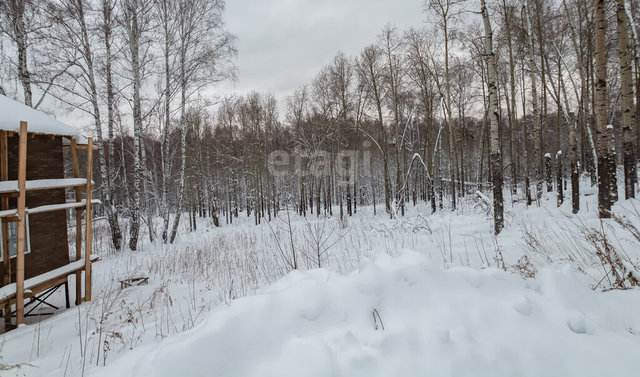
(82, 147)
(88, 223)
(22, 178)
(78, 194)
(4, 205)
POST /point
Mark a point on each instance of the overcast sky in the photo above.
(282, 44)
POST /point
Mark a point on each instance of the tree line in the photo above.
(522, 94)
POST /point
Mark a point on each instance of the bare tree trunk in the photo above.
(371, 74)
(393, 81)
(537, 146)
(109, 202)
(575, 172)
(547, 169)
(452, 153)
(559, 187)
(543, 131)
(604, 140)
(512, 112)
(526, 131)
(17, 12)
(183, 158)
(202, 52)
(626, 94)
(183, 132)
(87, 55)
(573, 122)
(133, 31)
(146, 179)
(76, 30)
(165, 17)
(495, 155)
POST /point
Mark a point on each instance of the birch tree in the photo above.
(17, 14)
(340, 74)
(606, 154)
(390, 45)
(626, 93)
(166, 18)
(205, 52)
(136, 21)
(537, 123)
(447, 11)
(371, 74)
(495, 156)
(417, 44)
(511, 107)
(81, 91)
(27, 24)
(107, 27)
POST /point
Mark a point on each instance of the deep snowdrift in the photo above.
(456, 322)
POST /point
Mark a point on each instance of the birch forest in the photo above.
(503, 99)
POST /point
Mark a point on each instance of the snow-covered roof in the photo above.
(81, 139)
(12, 113)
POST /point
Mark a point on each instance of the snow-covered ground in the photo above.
(404, 317)
(434, 295)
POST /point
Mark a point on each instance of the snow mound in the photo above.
(457, 322)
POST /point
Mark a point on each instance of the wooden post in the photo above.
(6, 257)
(88, 222)
(78, 194)
(22, 177)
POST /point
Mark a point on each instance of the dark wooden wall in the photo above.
(48, 231)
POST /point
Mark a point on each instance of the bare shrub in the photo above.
(590, 249)
(618, 272)
(525, 268)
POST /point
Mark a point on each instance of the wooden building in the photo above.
(34, 206)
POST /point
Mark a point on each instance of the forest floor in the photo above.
(422, 294)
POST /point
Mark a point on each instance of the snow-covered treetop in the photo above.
(12, 113)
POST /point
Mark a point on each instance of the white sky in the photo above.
(282, 44)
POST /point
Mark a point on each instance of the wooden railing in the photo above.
(19, 189)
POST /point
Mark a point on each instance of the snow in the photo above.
(10, 289)
(547, 155)
(8, 186)
(49, 207)
(57, 207)
(42, 184)
(7, 291)
(37, 122)
(8, 213)
(485, 199)
(453, 300)
(609, 126)
(60, 271)
(81, 139)
(459, 322)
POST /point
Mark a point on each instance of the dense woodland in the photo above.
(511, 98)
